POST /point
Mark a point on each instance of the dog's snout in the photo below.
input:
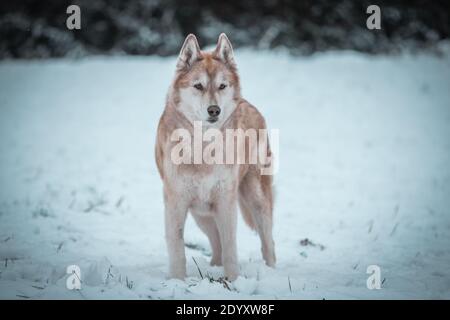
(213, 111)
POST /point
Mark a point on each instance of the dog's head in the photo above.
(206, 86)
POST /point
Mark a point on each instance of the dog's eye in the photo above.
(222, 86)
(198, 86)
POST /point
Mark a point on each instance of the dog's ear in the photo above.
(190, 52)
(224, 50)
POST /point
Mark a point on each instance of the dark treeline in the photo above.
(36, 28)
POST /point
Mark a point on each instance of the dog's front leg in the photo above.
(226, 220)
(175, 218)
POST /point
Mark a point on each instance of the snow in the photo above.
(364, 171)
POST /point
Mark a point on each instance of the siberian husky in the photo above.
(206, 90)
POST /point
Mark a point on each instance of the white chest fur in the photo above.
(202, 188)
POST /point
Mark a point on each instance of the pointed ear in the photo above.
(224, 50)
(190, 52)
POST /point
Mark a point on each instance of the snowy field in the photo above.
(364, 175)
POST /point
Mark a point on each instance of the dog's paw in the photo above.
(231, 272)
(232, 276)
(216, 262)
(270, 263)
(269, 257)
(177, 276)
(178, 273)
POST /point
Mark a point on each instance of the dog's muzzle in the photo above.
(213, 112)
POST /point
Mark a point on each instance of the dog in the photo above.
(206, 89)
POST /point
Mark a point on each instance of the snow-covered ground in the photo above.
(364, 171)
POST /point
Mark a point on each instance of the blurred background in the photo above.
(364, 148)
(37, 29)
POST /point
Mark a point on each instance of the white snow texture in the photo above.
(364, 175)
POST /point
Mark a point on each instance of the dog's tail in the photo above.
(256, 198)
(246, 211)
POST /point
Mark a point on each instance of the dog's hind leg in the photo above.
(256, 204)
(208, 226)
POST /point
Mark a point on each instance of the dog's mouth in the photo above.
(212, 119)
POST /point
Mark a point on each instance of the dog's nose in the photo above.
(213, 111)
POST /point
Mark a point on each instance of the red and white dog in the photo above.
(206, 89)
